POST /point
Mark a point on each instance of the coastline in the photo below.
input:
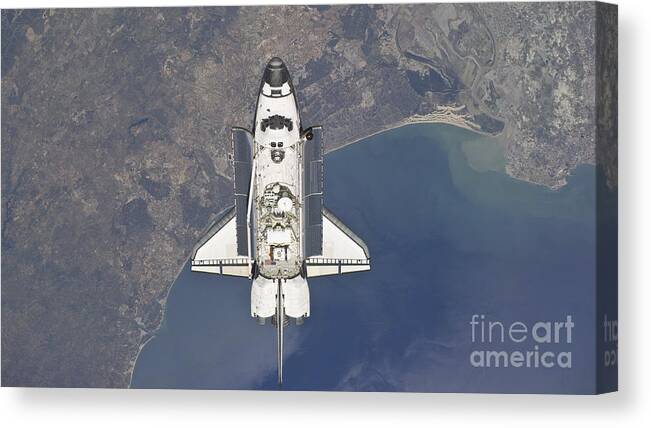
(446, 117)
(163, 305)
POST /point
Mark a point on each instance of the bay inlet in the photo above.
(450, 235)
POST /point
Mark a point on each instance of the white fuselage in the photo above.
(277, 183)
(278, 233)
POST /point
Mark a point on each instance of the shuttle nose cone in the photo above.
(276, 73)
(275, 62)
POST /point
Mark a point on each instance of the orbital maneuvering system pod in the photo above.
(278, 233)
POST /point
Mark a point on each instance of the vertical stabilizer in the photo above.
(280, 324)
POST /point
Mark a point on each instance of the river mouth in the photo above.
(450, 235)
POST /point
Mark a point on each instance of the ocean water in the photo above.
(450, 236)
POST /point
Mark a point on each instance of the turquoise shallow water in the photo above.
(450, 236)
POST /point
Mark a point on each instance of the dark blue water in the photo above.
(446, 240)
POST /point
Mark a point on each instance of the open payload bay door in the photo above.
(342, 250)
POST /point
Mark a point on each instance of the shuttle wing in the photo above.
(225, 248)
(217, 251)
(342, 252)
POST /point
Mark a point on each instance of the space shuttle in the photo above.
(278, 232)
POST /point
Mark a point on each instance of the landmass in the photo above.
(115, 139)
